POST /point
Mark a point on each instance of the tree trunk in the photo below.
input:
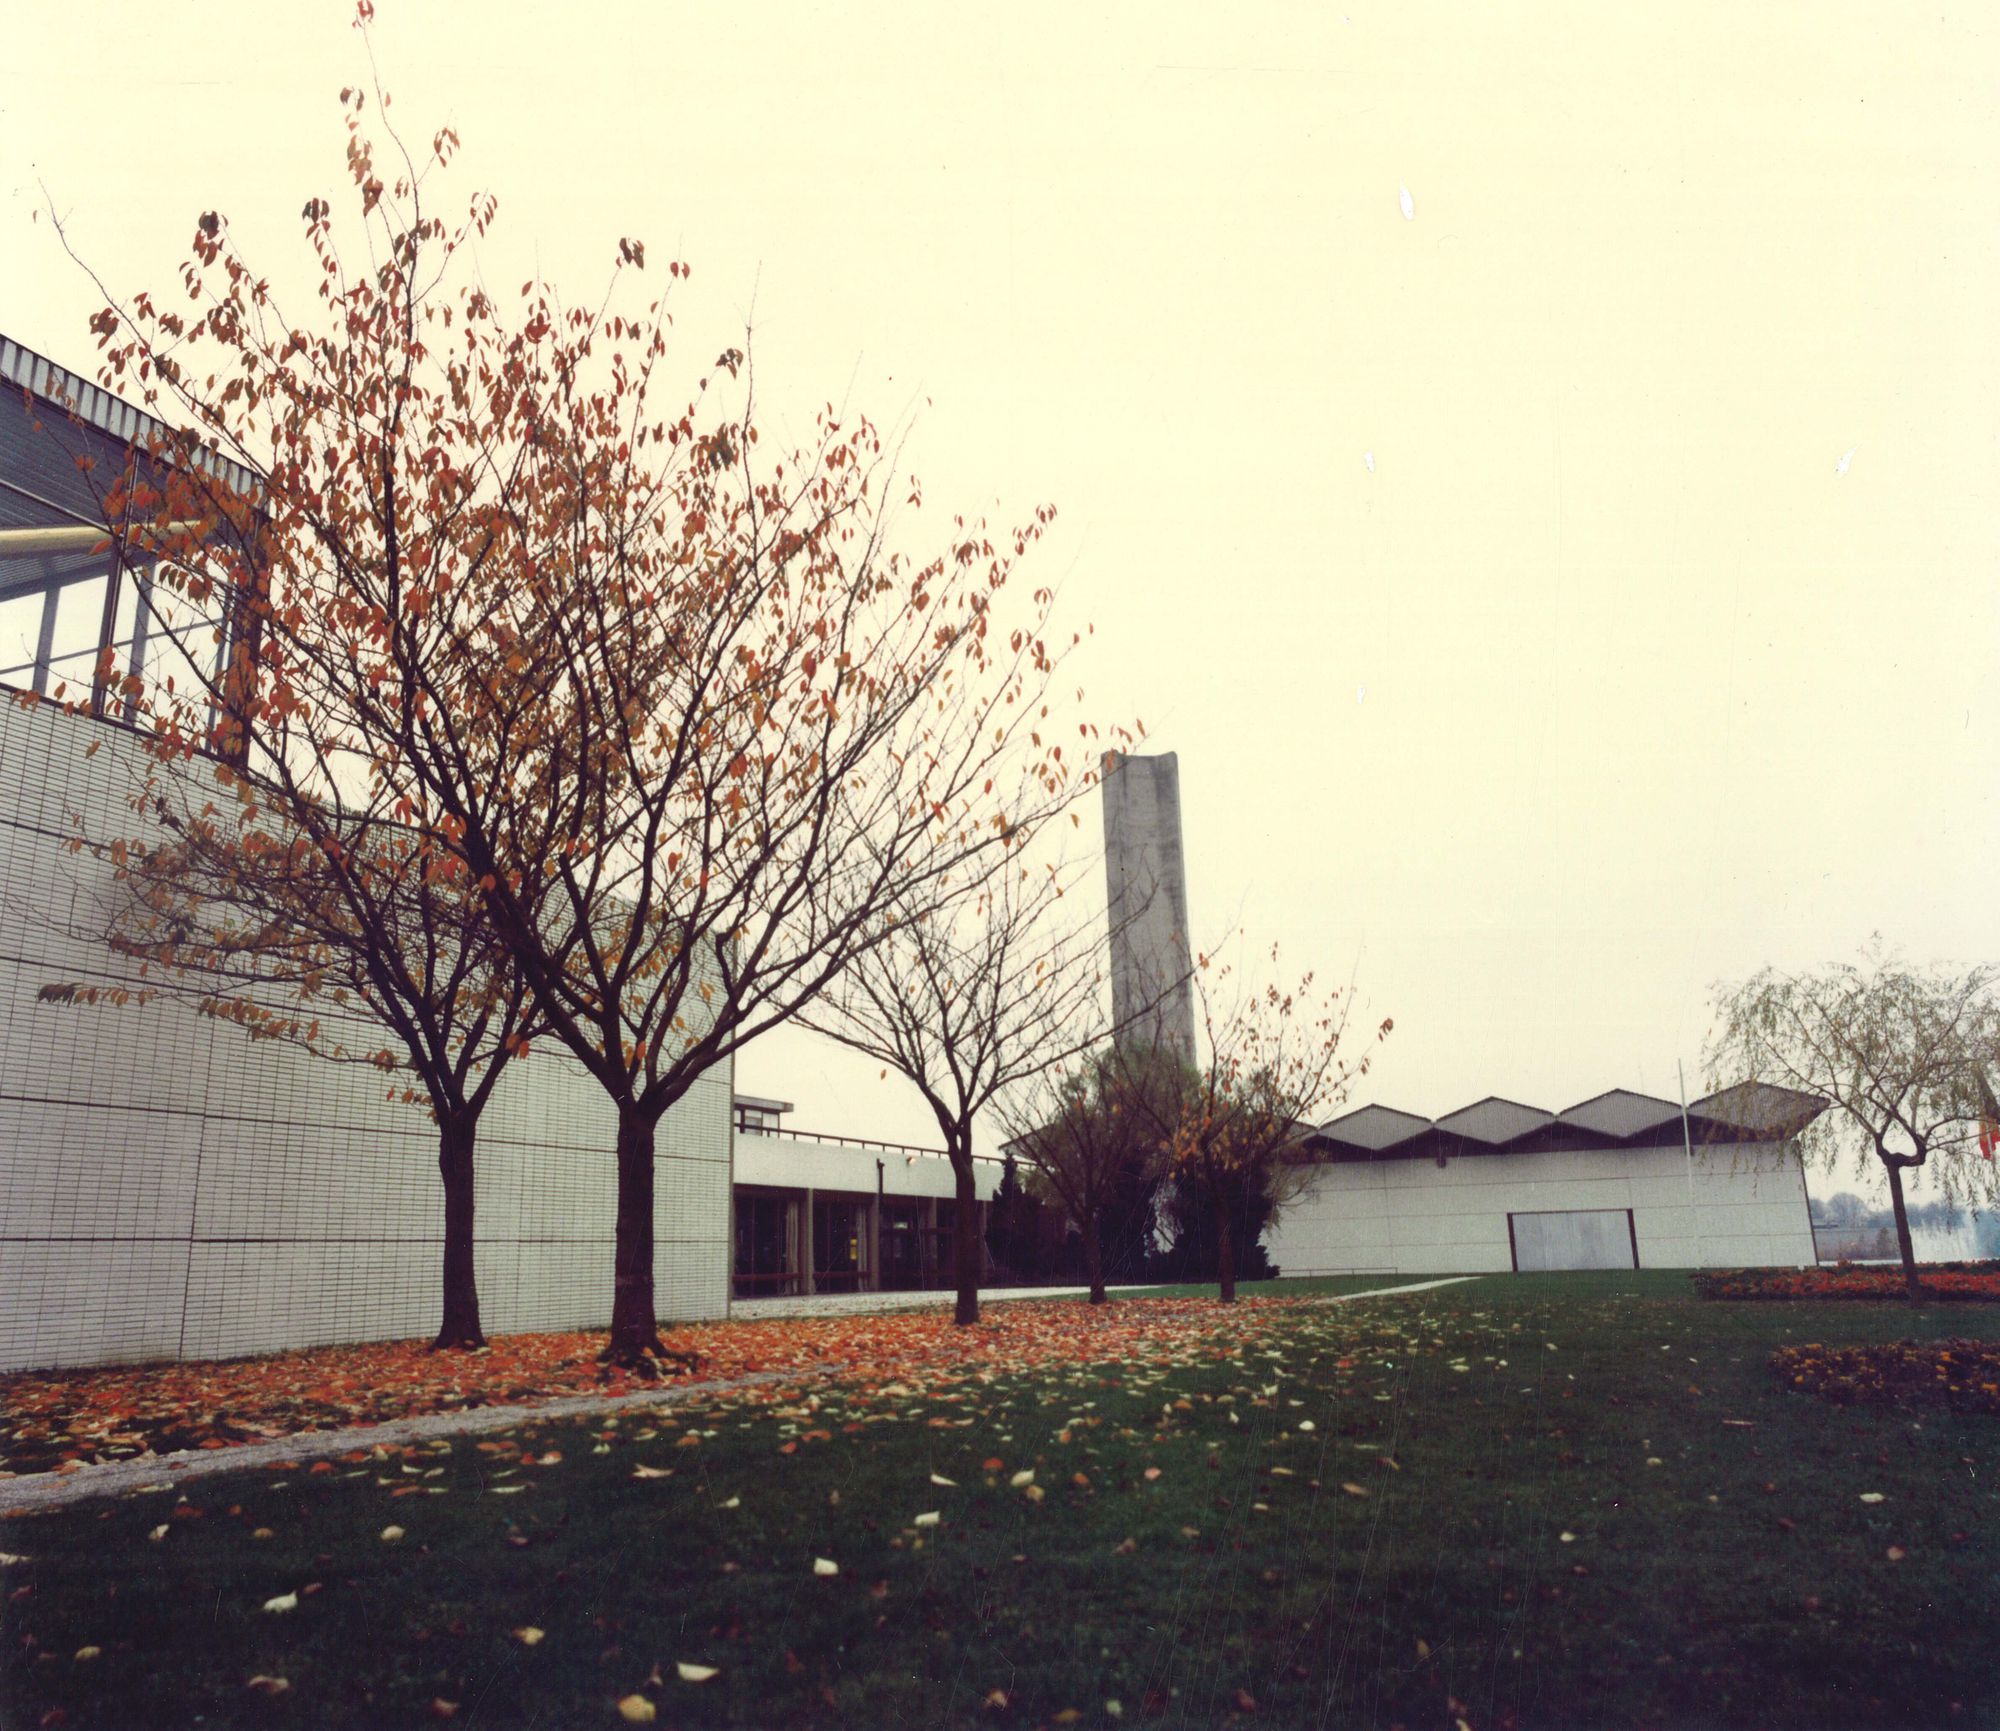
(635, 1330)
(1225, 1254)
(1903, 1243)
(459, 1327)
(1093, 1256)
(970, 1247)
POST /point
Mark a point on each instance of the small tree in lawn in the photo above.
(1273, 1069)
(1092, 1129)
(283, 892)
(690, 724)
(272, 850)
(969, 999)
(1899, 1052)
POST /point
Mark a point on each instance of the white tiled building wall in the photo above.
(168, 1189)
(1411, 1217)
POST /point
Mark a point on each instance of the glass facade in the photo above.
(763, 1261)
(857, 1242)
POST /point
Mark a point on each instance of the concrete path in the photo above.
(37, 1491)
(170, 1471)
(1391, 1291)
(882, 1303)
(874, 1303)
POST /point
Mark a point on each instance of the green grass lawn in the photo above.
(1528, 1501)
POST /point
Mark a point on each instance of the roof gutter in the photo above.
(69, 538)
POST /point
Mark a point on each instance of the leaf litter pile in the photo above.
(57, 1421)
(1963, 1375)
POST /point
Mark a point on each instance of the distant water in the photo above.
(1946, 1243)
(1970, 1241)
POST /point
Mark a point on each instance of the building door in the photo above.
(840, 1244)
(763, 1246)
(902, 1246)
(1573, 1238)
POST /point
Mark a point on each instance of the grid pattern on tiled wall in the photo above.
(169, 1188)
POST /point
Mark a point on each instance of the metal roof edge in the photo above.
(106, 411)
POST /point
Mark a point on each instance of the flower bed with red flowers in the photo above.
(1961, 1374)
(1947, 1282)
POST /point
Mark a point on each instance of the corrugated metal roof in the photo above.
(1759, 1106)
(1620, 1113)
(1495, 1120)
(1749, 1112)
(1374, 1127)
(96, 407)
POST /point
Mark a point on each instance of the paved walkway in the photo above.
(881, 1303)
(873, 1303)
(37, 1491)
(1390, 1291)
(170, 1471)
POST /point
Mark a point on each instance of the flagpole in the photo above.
(1687, 1143)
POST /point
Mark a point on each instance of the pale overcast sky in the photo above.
(1536, 464)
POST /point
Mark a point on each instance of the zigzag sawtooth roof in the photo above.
(1374, 1127)
(1746, 1112)
(1620, 1113)
(1494, 1120)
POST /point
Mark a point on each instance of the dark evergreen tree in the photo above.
(1194, 1250)
(1014, 1227)
(1128, 1228)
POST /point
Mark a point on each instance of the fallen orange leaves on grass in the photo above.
(1963, 1375)
(60, 1419)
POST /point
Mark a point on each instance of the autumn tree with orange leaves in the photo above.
(289, 915)
(271, 879)
(1274, 1068)
(683, 716)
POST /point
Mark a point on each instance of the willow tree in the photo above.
(1900, 1053)
(686, 715)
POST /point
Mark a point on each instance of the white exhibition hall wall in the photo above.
(169, 1189)
(1738, 1206)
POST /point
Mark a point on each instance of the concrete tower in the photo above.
(1146, 881)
